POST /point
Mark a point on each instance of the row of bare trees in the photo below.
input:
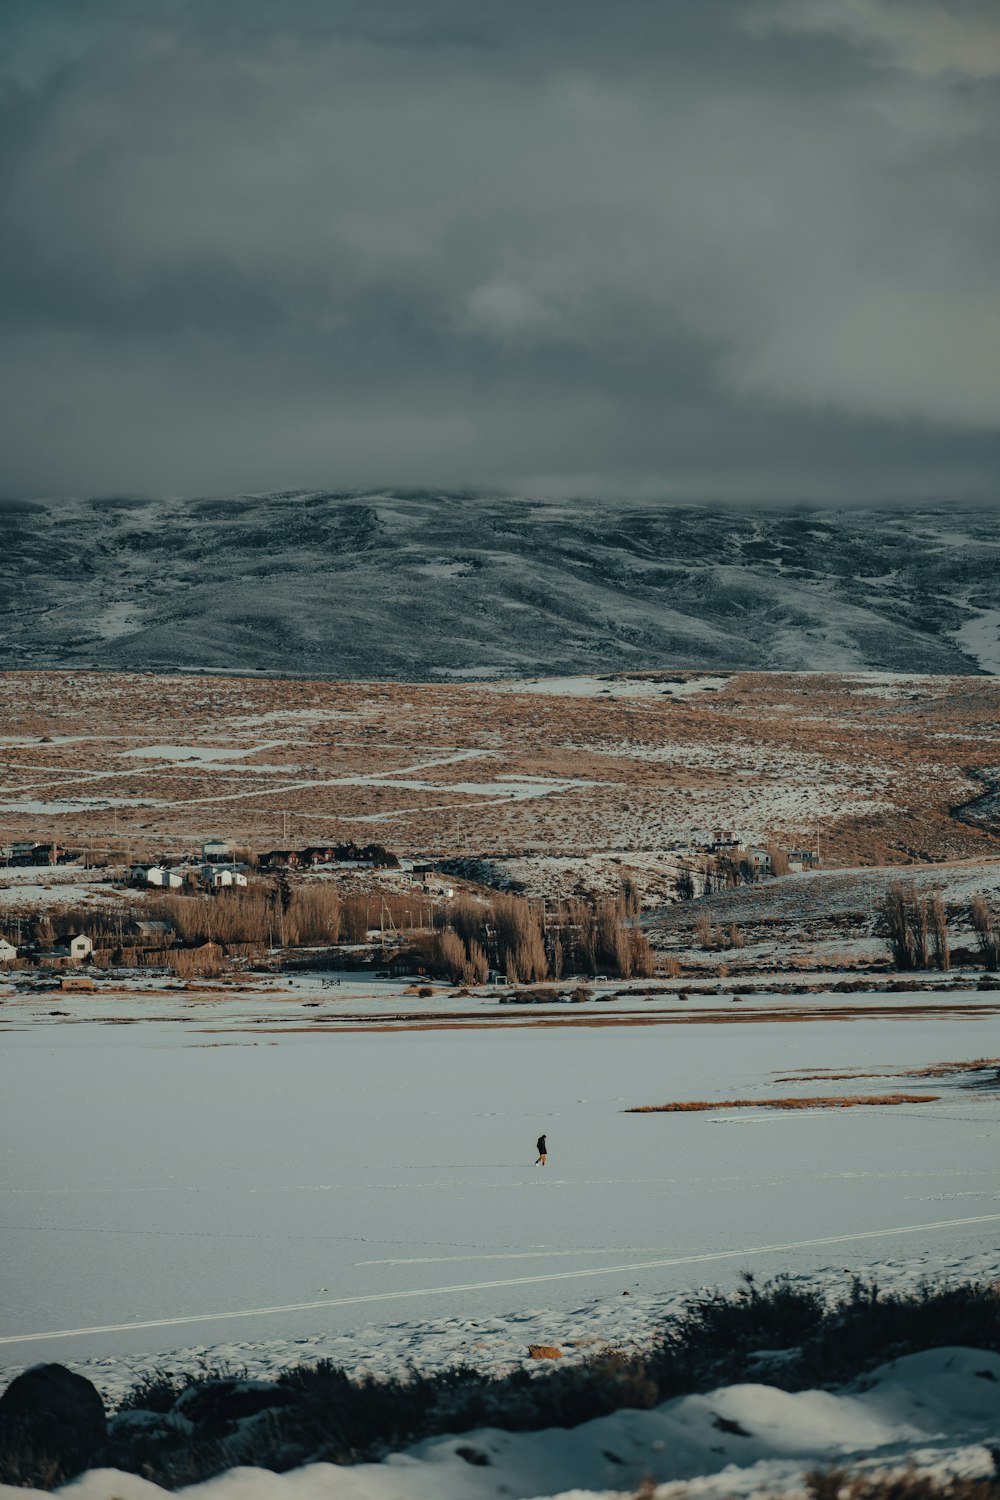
(265, 912)
(917, 929)
(530, 942)
(290, 915)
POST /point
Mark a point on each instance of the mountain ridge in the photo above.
(410, 585)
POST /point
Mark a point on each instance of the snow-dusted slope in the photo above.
(418, 586)
(935, 1411)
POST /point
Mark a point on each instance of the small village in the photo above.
(227, 909)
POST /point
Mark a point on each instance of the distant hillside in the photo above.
(429, 586)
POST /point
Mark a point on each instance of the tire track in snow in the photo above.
(480, 1286)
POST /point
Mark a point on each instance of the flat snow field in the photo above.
(162, 1188)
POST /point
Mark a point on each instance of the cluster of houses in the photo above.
(27, 852)
(142, 942)
(313, 855)
(202, 877)
(217, 871)
(727, 844)
(76, 949)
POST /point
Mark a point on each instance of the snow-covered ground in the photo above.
(32, 886)
(979, 638)
(933, 1412)
(235, 1192)
(614, 686)
(170, 1182)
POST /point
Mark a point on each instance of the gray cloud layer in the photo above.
(698, 249)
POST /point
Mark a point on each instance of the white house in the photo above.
(215, 849)
(79, 947)
(217, 876)
(167, 879)
(8, 952)
(760, 859)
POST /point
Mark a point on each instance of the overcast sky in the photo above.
(745, 249)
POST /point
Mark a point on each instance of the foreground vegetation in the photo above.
(180, 1429)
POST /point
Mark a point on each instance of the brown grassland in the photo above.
(154, 763)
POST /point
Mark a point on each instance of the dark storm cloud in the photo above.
(693, 249)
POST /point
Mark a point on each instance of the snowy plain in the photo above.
(204, 1189)
(178, 1183)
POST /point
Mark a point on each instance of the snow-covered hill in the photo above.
(422, 586)
(933, 1413)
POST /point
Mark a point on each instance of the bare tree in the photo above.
(631, 898)
(985, 927)
(704, 931)
(938, 922)
(916, 927)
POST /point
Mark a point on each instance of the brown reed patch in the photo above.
(946, 1069)
(833, 1077)
(816, 1101)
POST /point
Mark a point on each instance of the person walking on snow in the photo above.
(540, 1143)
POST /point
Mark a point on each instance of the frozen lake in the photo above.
(159, 1178)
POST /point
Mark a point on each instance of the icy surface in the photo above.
(198, 1184)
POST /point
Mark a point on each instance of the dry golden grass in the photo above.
(832, 1077)
(946, 1069)
(815, 1101)
(881, 771)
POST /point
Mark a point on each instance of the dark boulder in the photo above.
(52, 1425)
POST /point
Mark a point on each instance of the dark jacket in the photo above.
(541, 1145)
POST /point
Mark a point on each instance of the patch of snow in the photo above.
(613, 686)
(116, 621)
(76, 804)
(205, 753)
(979, 638)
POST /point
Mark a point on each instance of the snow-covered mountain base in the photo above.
(418, 586)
